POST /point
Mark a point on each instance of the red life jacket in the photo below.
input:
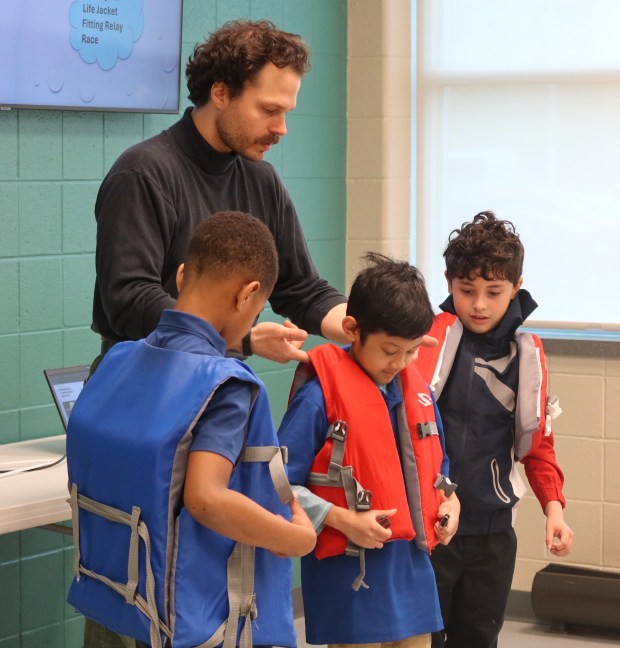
(369, 458)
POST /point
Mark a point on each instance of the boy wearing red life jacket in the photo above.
(490, 382)
(366, 451)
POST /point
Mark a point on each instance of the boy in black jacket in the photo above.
(490, 382)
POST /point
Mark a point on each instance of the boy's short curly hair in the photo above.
(487, 247)
(389, 296)
(237, 52)
(233, 243)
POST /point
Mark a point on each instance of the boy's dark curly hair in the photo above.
(237, 52)
(487, 247)
(389, 296)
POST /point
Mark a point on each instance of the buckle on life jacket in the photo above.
(338, 431)
(443, 483)
(427, 429)
(363, 500)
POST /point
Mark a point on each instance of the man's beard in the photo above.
(235, 140)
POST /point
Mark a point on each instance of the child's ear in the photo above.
(246, 292)
(350, 328)
(180, 275)
(516, 288)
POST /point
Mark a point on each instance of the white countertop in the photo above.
(35, 498)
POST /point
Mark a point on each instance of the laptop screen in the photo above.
(66, 384)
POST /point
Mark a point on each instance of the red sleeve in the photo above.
(543, 473)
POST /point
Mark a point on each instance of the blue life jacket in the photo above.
(143, 566)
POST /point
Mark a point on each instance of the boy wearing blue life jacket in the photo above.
(180, 501)
(490, 382)
(366, 453)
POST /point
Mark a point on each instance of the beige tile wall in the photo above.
(378, 218)
(587, 436)
(378, 130)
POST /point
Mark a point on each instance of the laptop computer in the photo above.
(66, 384)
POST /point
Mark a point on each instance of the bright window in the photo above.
(518, 111)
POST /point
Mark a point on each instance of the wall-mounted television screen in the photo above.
(90, 54)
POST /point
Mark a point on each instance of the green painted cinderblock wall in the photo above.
(51, 165)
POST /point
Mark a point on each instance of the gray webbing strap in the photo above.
(337, 432)
(358, 499)
(152, 614)
(276, 457)
(104, 511)
(321, 479)
(132, 563)
(139, 602)
(216, 639)
(139, 531)
(241, 597)
(354, 494)
(75, 522)
(361, 552)
(241, 600)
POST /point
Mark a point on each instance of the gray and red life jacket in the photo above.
(533, 407)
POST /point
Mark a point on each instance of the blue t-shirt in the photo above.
(402, 597)
(229, 408)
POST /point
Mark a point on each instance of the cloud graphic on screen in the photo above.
(104, 31)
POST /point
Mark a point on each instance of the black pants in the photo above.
(474, 575)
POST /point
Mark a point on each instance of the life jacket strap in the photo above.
(240, 567)
(358, 498)
(276, 457)
(241, 596)
(337, 431)
(240, 572)
(359, 552)
(127, 590)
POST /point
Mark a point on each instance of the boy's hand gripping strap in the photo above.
(240, 569)
(358, 498)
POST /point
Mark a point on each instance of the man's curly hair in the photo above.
(487, 247)
(237, 52)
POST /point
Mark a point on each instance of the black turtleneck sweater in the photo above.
(147, 208)
(477, 412)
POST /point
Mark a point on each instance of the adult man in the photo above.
(242, 81)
